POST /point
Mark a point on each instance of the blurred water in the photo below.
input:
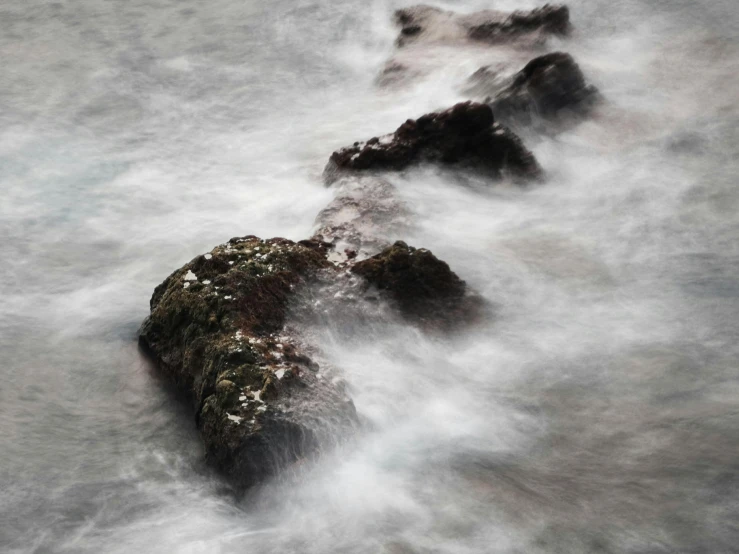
(599, 412)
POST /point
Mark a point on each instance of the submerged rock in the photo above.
(429, 24)
(362, 219)
(216, 330)
(549, 87)
(465, 134)
(424, 288)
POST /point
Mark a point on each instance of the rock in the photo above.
(218, 330)
(362, 219)
(549, 87)
(219, 336)
(424, 288)
(429, 24)
(464, 134)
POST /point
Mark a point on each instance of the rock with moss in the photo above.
(427, 24)
(217, 330)
(423, 287)
(551, 87)
(465, 135)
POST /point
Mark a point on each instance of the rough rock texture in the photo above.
(216, 330)
(464, 134)
(549, 87)
(424, 288)
(429, 24)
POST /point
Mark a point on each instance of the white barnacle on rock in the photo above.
(242, 398)
(227, 297)
(231, 262)
(256, 396)
(280, 373)
(262, 409)
(239, 335)
(206, 282)
(279, 345)
(207, 256)
(186, 285)
(234, 418)
(190, 276)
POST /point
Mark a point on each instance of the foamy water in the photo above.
(597, 412)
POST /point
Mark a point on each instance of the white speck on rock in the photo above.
(227, 297)
(280, 373)
(206, 282)
(278, 345)
(231, 262)
(242, 398)
(234, 418)
(186, 285)
(190, 276)
(207, 256)
(239, 335)
(256, 396)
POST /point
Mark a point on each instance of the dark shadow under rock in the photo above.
(550, 87)
(428, 24)
(464, 134)
(424, 288)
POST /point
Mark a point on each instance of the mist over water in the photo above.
(597, 412)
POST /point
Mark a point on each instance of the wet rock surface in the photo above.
(424, 23)
(465, 134)
(424, 288)
(550, 87)
(216, 329)
(362, 219)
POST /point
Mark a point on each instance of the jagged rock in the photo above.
(548, 87)
(424, 288)
(429, 24)
(216, 330)
(464, 134)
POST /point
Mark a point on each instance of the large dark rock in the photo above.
(549, 87)
(424, 288)
(216, 330)
(219, 330)
(465, 134)
(429, 24)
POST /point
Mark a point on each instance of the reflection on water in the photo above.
(598, 412)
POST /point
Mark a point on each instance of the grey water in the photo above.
(597, 412)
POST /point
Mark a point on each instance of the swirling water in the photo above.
(598, 412)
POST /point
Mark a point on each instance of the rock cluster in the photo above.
(264, 399)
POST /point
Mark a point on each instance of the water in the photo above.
(597, 413)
